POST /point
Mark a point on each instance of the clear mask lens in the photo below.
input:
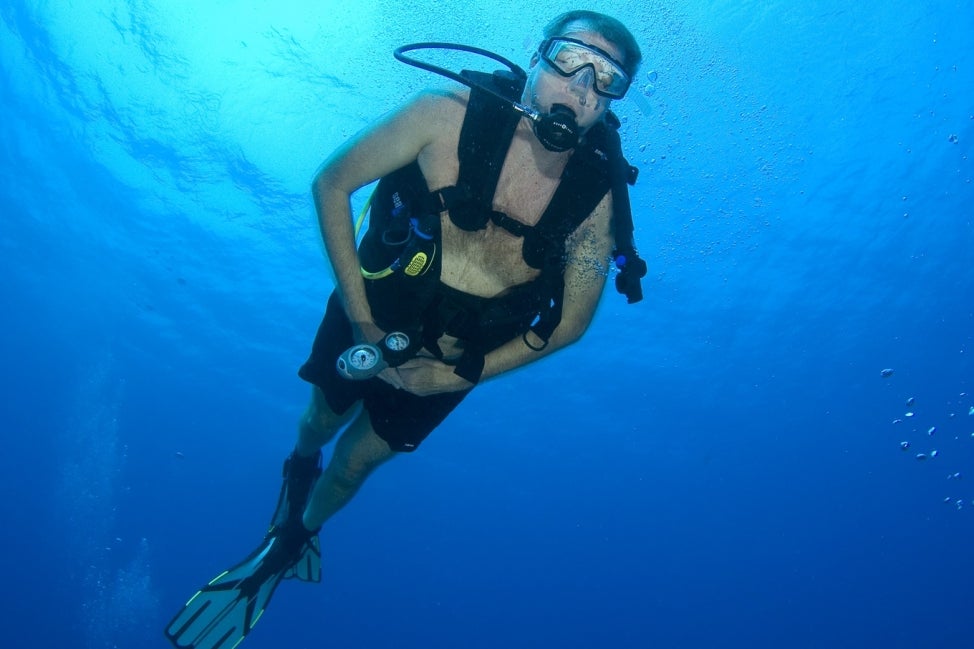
(568, 56)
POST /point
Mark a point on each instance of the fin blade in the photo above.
(308, 567)
(224, 611)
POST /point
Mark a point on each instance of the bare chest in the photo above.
(486, 262)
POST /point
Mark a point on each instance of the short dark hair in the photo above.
(610, 28)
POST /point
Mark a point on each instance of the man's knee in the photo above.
(349, 476)
(314, 425)
(359, 452)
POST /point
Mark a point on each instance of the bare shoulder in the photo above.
(441, 113)
(396, 139)
(445, 101)
(433, 109)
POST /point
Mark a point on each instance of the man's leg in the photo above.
(357, 453)
(318, 424)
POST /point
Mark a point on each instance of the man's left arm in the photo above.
(586, 269)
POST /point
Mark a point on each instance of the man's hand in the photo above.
(424, 376)
(367, 331)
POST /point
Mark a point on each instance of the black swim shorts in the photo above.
(401, 418)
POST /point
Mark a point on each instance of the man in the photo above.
(499, 279)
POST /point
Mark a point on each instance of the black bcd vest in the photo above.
(595, 167)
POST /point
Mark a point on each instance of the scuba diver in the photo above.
(500, 207)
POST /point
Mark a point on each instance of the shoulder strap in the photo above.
(594, 169)
(584, 182)
(485, 137)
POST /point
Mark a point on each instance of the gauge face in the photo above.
(397, 341)
(363, 358)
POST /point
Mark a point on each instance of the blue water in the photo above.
(718, 466)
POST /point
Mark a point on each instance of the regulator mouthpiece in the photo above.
(558, 130)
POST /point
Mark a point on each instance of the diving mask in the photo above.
(568, 56)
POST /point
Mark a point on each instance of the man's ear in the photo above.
(534, 60)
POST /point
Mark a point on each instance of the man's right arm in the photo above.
(394, 141)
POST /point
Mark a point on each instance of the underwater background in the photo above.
(720, 465)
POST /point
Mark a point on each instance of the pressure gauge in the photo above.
(397, 341)
(364, 361)
(360, 362)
